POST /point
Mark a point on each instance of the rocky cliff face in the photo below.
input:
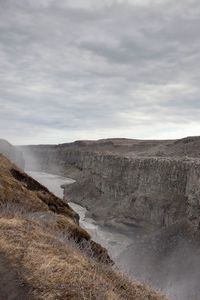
(142, 193)
(13, 153)
(128, 188)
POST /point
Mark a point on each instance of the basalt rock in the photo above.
(128, 184)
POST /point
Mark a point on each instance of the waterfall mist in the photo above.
(168, 260)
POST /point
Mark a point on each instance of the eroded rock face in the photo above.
(128, 188)
(12, 153)
(146, 193)
(148, 189)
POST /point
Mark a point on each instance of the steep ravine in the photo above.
(153, 198)
(113, 241)
(45, 254)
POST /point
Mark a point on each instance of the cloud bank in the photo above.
(95, 69)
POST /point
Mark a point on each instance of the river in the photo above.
(115, 242)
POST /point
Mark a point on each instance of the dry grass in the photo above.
(52, 266)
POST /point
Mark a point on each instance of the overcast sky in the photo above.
(91, 69)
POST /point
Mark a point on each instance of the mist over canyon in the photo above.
(139, 199)
(146, 190)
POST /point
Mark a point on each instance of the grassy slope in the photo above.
(45, 255)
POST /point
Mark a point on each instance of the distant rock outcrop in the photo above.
(13, 153)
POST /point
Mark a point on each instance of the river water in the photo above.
(115, 242)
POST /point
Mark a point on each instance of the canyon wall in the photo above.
(141, 193)
(129, 186)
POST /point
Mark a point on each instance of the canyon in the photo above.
(45, 254)
(129, 184)
(148, 190)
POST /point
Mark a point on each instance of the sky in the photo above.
(92, 69)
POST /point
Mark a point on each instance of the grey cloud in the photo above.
(105, 67)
